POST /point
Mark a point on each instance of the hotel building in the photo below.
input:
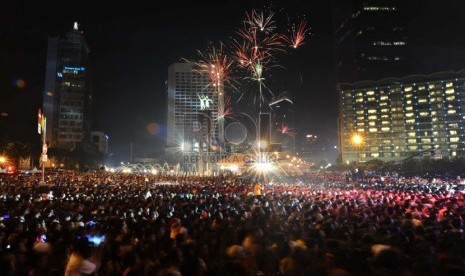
(398, 118)
(67, 97)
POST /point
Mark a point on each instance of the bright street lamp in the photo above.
(357, 141)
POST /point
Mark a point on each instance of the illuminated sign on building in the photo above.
(205, 102)
(74, 68)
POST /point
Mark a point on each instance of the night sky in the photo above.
(132, 45)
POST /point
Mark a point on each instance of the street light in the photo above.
(2, 159)
(357, 141)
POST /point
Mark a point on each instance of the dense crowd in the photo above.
(317, 224)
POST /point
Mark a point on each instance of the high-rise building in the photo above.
(282, 122)
(399, 118)
(68, 91)
(192, 109)
(371, 39)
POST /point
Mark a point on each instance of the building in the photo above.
(100, 139)
(192, 109)
(394, 119)
(68, 91)
(282, 122)
(371, 39)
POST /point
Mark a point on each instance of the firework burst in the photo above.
(258, 21)
(297, 35)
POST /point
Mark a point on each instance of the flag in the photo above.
(43, 123)
(39, 121)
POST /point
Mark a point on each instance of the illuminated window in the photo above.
(408, 96)
(412, 141)
(425, 140)
(454, 125)
(451, 111)
(384, 116)
(374, 8)
(372, 117)
(424, 113)
(432, 100)
(385, 129)
(434, 120)
(408, 108)
(374, 148)
(431, 86)
(359, 100)
(360, 118)
(348, 95)
(387, 142)
(375, 154)
(371, 111)
(360, 112)
(382, 98)
(408, 88)
(450, 98)
(435, 133)
(399, 43)
(385, 122)
(449, 84)
(422, 87)
(422, 100)
(412, 147)
(409, 102)
(450, 91)
(359, 94)
(384, 110)
(371, 99)
(454, 153)
(369, 93)
(372, 123)
(383, 104)
(454, 139)
(411, 134)
(410, 121)
(410, 114)
(433, 113)
(373, 129)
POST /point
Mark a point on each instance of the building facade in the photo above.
(100, 140)
(192, 109)
(282, 122)
(395, 119)
(67, 96)
(371, 39)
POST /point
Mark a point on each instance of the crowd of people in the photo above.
(317, 224)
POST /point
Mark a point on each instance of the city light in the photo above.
(357, 139)
(2, 159)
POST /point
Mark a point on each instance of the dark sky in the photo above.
(132, 44)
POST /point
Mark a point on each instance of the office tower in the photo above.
(192, 109)
(396, 119)
(371, 39)
(68, 91)
(282, 121)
